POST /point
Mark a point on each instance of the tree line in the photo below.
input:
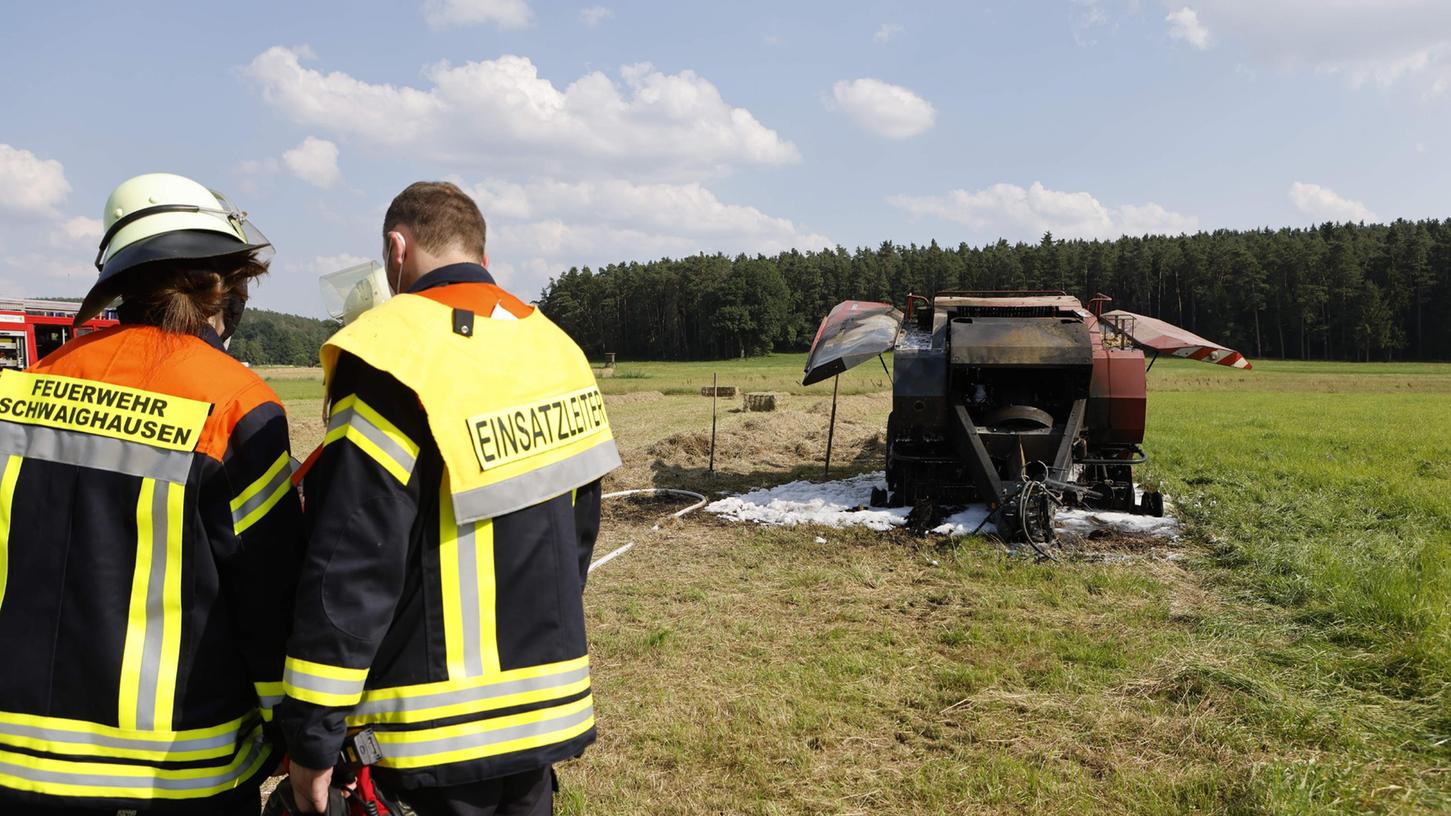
(1331, 292)
(274, 338)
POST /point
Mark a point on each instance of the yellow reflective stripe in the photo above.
(322, 684)
(433, 701)
(131, 654)
(488, 629)
(485, 738)
(324, 670)
(153, 623)
(409, 712)
(57, 735)
(268, 696)
(356, 421)
(7, 497)
(541, 670)
(258, 499)
(171, 607)
(58, 777)
(453, 643)
(466, 572)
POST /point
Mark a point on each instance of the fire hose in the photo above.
(653, 491)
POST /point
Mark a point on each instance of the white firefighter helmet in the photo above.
(163, 216)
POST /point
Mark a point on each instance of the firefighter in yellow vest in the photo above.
(452, 511)
(149, 535)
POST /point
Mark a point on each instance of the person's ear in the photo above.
(397, 248)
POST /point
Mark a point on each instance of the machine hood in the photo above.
(1166, 338)
(854, 332)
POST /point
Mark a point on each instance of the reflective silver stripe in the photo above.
(540, 484)
(91, 451)
(269, 701)
(468, 596)
(156, 779)
(155, 613)
(398, 705)
(326, 685)
(397, 749)
(350, 417)
(63, 737)
(262, 496)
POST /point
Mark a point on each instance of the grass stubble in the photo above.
(1289, 656)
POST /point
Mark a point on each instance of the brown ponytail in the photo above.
(183, 295)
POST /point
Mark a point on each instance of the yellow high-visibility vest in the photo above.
(512, 404)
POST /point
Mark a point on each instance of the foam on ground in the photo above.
(846, 503)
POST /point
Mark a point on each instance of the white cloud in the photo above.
(1088, 17)
(890, 111)
(1381, 42)
(257, 167)
(315, 161)
(1324, 204)
(594, 15)
(77, 235)
(501, 112)
(1152, 219)
(1010, 211)
(886, 31)
(542, 227)
(81, 228)
(502, 13)
(1184, 25)
(44, 274)
(30, 185)
(323, 264)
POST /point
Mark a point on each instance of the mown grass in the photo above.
(1294, 660)
(1291, 656)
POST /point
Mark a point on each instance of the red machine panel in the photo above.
(1117, 397)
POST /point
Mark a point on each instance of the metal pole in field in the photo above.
(831, 429)
(714, 392)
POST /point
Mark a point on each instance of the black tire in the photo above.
(1152, 504)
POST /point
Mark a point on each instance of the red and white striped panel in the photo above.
(1214, 354)
(1166, 338)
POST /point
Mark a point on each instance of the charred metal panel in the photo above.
(919, 375)
(1020, 342)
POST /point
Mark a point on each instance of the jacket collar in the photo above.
(210, 337)
(453, 273)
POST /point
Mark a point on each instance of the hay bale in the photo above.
(765, 401)
(718, 391)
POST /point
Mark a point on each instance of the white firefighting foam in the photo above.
(846, 503)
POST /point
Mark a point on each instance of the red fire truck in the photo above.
(31, 329)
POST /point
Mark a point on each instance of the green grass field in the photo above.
(1291, 655)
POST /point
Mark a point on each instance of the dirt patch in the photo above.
(768, 447)
(1107, 541)
(752, 449)
(305, 426)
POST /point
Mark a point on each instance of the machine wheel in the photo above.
(1152, 504)
(879, 497)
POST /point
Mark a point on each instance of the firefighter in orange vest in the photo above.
(149, 535)
(452, 512)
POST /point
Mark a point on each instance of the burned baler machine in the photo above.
(1026, 401)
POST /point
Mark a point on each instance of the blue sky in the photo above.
(610, 131)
